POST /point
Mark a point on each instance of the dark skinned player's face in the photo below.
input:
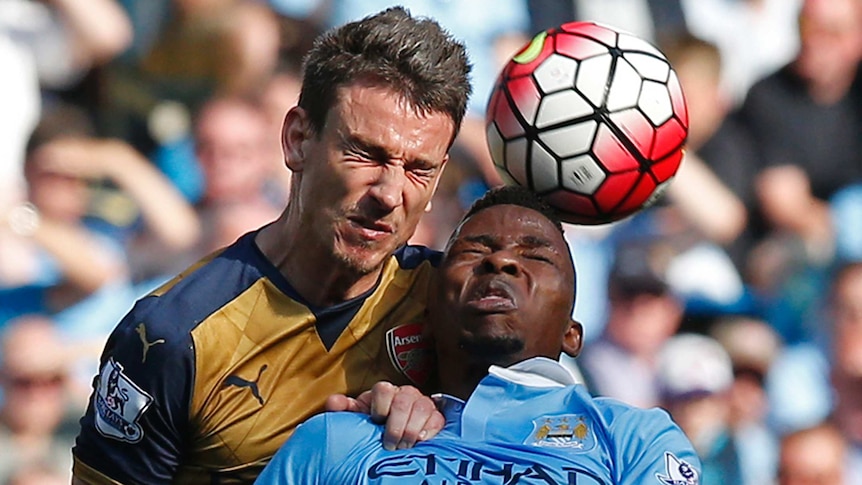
(505, 290)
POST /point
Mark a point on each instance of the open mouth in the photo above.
(495, 296)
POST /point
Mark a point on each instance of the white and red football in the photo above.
(591, 118)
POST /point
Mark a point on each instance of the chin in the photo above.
(363, 261)
(358, 264)
(502, 351)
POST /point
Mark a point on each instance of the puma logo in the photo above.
(251, 385)
(142, 332)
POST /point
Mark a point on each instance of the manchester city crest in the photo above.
(564, 431)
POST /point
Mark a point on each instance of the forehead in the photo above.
(229, 119)
(380, 112)
(507, 222)
(837, 16)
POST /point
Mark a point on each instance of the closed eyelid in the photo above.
(380, 153)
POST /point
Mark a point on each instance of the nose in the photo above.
(501, 261)
(388, 189)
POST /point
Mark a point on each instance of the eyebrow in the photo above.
(378, 152)
(528, 241)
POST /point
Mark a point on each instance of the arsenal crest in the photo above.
(410, 352)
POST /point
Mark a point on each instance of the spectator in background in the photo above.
(223, 46)
(813, 456)
(196, 49)
(648, 19)
(752, 346)
(234, 151)
(37, 414)
(847, 363)
(48, 45)
(241, 191)
(37, 475)
(694, 376)
(800, 385)
(807, 123)
(700, 213)
(643, 314)
(716, 148)
(755, 37)
(55, 259)
(65, 255)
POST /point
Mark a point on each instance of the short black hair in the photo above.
(515, 195)
(413, 56)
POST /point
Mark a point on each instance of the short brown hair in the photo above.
(413, 56)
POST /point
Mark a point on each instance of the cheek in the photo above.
(327, 182)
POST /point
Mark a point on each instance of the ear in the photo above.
(573, 339)
(294, 132)
(437, 182)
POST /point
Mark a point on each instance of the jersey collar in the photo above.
(539, 372)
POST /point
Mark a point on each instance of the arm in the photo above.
(409, 415)
(253, 35)
(80, 256)
(651, 448)
(136, 425)
(784, 192)
(100, 29)
(705, 201)
(166, 213)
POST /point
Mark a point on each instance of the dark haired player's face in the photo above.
(505, 290)
(369, 175)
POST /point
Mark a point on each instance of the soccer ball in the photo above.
(591, 118)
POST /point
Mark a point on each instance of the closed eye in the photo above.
(539, 257)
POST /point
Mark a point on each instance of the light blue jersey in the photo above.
(526, 424)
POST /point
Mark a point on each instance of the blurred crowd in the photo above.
(137, 136)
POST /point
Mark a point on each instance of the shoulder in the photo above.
(411, 257)
(645, 444)
(625, 419)
(325, 441)
(209, 284)
(153, 343)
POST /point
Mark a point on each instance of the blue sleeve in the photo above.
(302, 459)
(651, 448)
(137, 418)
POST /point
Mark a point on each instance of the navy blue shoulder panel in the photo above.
(410, 257)
(136, 427)
(210, 287)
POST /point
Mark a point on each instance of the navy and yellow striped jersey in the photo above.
(207, 376)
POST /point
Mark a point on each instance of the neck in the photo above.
(828, 91)
(460, 381)
(310, 268)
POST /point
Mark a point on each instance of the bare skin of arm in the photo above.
(706, 202)
(169, 217)
(100, 29)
